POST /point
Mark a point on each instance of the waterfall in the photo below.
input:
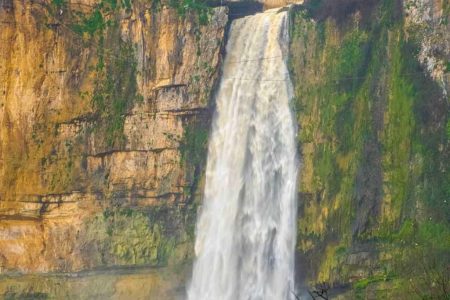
(246, 229)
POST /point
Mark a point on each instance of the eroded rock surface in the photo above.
(75, 176)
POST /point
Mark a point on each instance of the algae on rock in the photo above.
(374, 146)
(96, 99)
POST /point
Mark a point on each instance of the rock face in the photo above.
(104, 121)
(373, 135)
(132, 284)
(104, 113)
(429, 18)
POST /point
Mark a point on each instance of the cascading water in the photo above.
(246, 229)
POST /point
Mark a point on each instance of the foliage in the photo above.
(359, 86)
(363, 283)
(115, 90)
(199, 7)
(194, 144)
(336, 106)
(397, 135)
(58, 3)
(91, 23)
(424, 258)
(448, 129)
(193, 149)
(123, 236)
(351, 56)
(95, 21)
(115, 87)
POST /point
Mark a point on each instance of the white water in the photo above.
(246, 228)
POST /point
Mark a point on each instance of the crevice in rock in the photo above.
(113, 151)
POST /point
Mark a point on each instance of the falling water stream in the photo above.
(246, 228)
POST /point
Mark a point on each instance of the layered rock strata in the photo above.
(101, 108)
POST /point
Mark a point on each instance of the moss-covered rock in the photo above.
(104, 120)
(373, 141)
(155, 237)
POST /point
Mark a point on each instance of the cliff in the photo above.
(104, 115)
(104, 119)
(372, 107)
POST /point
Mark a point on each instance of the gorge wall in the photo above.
(371, 96)
(105, 112)
(104, 117)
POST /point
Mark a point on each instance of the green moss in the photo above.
(126, 4)
(199, 7)
(448, 129)
(340, 251)
(363, 283)
(398, 132)
(351, 57)
(115, 89)
(193, 149)
(312, 7)
(90, 24)
(447, 67)
(337, 111)
(431, 234)
(128, 236)
(101, 17)
(194, 143)
(406, 231)
(434, 235)
(373, 134)
(445, 12)
(58, 3)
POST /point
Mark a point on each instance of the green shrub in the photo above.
(197, 6)
(193, 145)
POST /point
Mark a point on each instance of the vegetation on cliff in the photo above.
(374, 138)
(374, 148)
(109, 103)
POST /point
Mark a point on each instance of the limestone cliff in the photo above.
(104, 113)
(104, 120)
(374, 138)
